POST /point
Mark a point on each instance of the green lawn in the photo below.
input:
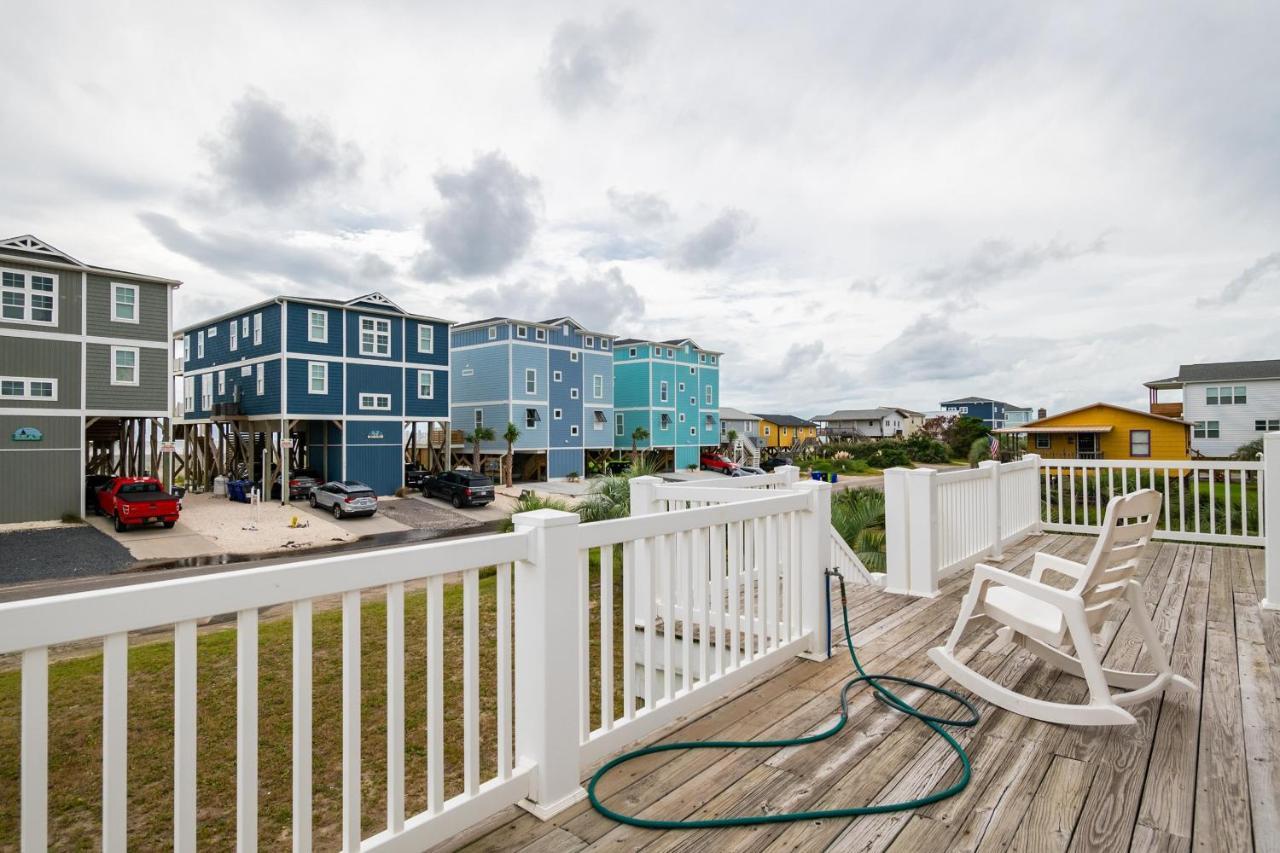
(1180, 507)
(75, 718)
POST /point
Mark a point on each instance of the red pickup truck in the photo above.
(135, 501)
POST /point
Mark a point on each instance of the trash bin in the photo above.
(835, 477)
(815, 475)
(219, 485)
(235, 490)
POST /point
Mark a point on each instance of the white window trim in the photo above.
(206, 391)
(556, 376)
(478, 417)
(312, 314)
(137, 367)
(431, 337)
(573, 356)
(530, 378)
(664, 392)
(539, 334)
(619, 424)
(261, 385)
(631, 352)
(200, 344)
(522, 331)
(589, 342)
(493, 333)
(573, 393)
(370, 402)
(117, 287)
(597, 385)
(234, 342)
(28, 293)
(557, 414)
(26, 388)
(431, 384)
(708, 395)
(378, 324)
(222, 383)
(324, 385)
(244, 327)
(573, 429)
(257, 329)
(604, 343)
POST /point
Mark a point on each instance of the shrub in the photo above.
(530, 501)
(858, 516)
(979, 450)
(1249, 452)
(889, 455)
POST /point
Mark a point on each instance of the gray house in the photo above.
(84, 353)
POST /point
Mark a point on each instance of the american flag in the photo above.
(994, 446)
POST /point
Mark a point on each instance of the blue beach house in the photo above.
(553, 379)
(994, 413)
(330, 385)
(672, 389)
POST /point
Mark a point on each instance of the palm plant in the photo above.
(479, 434)
(610, 497)
(511, 436)
(530, 501)
(638, 435)
(858, 516)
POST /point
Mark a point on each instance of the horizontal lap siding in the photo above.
(299, 327)
(437, 406)
(53, 462)
(353, 335)
(495, 417)
(371, 379)
(1235, 423)
(561, 399)
(217, 349)
(150, 394)
(42, 359)
(1168, 440)
(67, 301)
(631, 420)
(525, 357)
(630, 384)
(467, 337)
(440, 343)
(302, 401)
(152, 310)
(480, 375)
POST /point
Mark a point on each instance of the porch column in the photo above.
(1269, 493)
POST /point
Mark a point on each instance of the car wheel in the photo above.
(457, 502)
(311, 499)
(337, 511)
(168, 525)
(120, 525)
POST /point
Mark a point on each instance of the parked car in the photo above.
(135, 501)
(414, 474)
(301, 482)
(344, 498)
(716, 462)
(748, 470)
(93, 482)
(460, 488)
(775, 462)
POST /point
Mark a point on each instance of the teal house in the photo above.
(672, 390)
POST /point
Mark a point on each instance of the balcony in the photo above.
(504, 669)
(1168, 410)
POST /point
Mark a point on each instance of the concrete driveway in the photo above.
(154, 542)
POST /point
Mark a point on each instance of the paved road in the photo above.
(60, 552)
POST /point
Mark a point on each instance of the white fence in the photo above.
(937, 524)
(711, 598)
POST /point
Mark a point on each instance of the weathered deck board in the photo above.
(1198, 770)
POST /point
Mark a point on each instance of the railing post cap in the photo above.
(545, 518)
(645, 480)
(812, 485)
(917, 472)
(987, 463)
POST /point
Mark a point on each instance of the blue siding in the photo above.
(480, 375)
(353, 335)
(496, 416)
(687, 455)
(302, 401)
(375, 455)
(631, 384)
(299, 327)
(528, 357)
(562, 463)
(478, 335)
(435, 407)
(594, 364)
(373, 379)
(562, 399)
(439, 353)
(217, 348)
(327, 459)
(591, 436)
(630, 420)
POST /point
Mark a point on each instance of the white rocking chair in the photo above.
(1040, 618)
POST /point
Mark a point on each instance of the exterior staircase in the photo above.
(746, 451)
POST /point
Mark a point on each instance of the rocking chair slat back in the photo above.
(1126, 529)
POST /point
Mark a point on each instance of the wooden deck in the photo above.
(1198, 771)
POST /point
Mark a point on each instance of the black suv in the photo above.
(414, 474)
(460, 488)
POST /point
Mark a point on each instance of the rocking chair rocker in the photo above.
(1041, 618)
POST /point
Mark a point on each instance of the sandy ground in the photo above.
(224, 523)
(14, 526)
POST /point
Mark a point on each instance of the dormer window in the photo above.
(539, 334)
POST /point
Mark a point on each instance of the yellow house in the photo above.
(1105, 431)
(785, 430)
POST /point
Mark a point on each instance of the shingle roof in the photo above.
(784, 420)
(857, 414)
(963, 400)
(728, 413)
(1230, 370)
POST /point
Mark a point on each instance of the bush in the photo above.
(963, 432)
(923, 448)
(1249, 452)
(889, 455)
(530, 501)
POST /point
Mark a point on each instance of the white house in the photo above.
(1228, 403)
(880, 422)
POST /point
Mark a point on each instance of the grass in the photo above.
(1089, 507)
(75, 725)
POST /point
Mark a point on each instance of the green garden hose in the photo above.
(882, 693)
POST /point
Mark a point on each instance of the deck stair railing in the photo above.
(710, 594)
(940, 523)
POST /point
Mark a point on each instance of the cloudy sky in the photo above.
(859, 204)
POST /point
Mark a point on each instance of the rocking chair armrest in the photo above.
(1062, 599)
(1054, 563)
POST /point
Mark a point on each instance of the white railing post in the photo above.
(1269, 492)
(1036, 462)
(922, 532)
(897, 540)
(992, 468)
(644, 501)
(790, 474)
(547, 655)
(815, 553)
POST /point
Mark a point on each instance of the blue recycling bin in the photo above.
(236, 491)
(835, 478)
(815, 475)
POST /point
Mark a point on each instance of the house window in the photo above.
(376, 402)
(261, 380)
(200, 345)
(1043, 441)
(573, 356)
(29, 297)
(19, 388)
(530, 381)
(493, 333)
(664, 421)
(318, 326)
(1266, 426)
(599, 420)
(124, 303)
(604, 343)
(1205, 429)
(426, 338)
(693, 401)
(702, 358)
(565, 329)
(681, 387)
(589, 342)
(1226, 395)
(522, 331)
(244, 328)
(573, 429)
(539, 334)
(234, 343)
(713, 359)
(375, 336)
(556, 376)
(711, 421)
(693, 430)
(632, 352)
(186, 348)
(479, 418)
(189, 394)
(662, 392)
(618, 424)
(426, 384)
(257, 329)
(222, 383)
(708, 395)
(317, 377)
(682, 417)
(124, 365)
(1139, 442)
(206, 391)
(557, 414)
(693, 371)
(573, 393)
(766, 429)
(531, 418)
(597, 386)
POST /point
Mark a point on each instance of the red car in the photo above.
(135, 501)
(716, 462)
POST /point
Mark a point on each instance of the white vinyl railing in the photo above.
(710, 598)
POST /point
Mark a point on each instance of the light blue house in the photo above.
(672, 390)
(552, 379)
(343, 382)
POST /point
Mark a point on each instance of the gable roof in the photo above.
(675, 342)
(542, 324)
(1031, 426)
(785, 420)
(727, 413)
(960, 401)
(863, 414)
(32, 249)
(1223, 371)
(375, 298)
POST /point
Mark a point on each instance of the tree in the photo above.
(961, 434)
(511, 436)
(731, 436)
(479, 434)
(638, 435)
